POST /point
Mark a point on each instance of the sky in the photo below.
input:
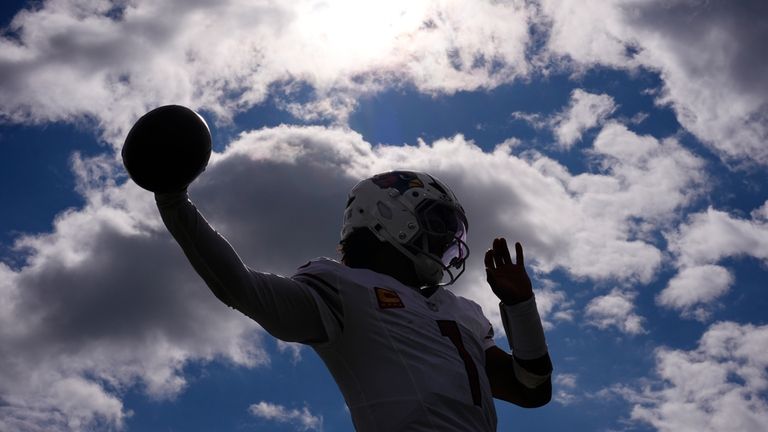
(623, 142)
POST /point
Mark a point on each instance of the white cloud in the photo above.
(694, 286)
(79, 404)
(553, 304)
(713, 235)
(534, 119)
(293, 348)
(615, 309)
(104, 303)
(718, 386)
(587, 33)
(119, 60)
(644, 182)
(585, 111)
(302, 418)
(564, 384)
(703, 241)
(720, 94)
(761, 214)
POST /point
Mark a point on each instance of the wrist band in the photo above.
(524, 331)
(166, 199)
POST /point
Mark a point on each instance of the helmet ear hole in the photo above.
(384, 210)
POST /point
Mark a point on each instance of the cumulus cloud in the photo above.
(119, 59)
(585, 111)
(644, 181)
(565, 384)
(79, 403)
(615, 309)
(603, 42)
(695, 286)
(553, 303)
(720, 385)
(720, 94)
(698, 245)
(302, 418)
(293, 348)
(761, 214)
(710, 236)
(106, 302)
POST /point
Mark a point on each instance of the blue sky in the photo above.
(622, 142)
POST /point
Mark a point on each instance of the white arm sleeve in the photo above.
(287, 308)
(524, 330)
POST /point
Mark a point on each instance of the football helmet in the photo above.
(418, 215)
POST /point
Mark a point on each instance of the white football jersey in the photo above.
(404, 362)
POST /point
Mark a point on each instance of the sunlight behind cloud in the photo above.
(353, 33)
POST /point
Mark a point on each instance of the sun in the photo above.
(359, 31)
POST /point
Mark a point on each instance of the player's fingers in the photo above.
(505, 251)
(489, 259)
(519, 254)
(498, 256)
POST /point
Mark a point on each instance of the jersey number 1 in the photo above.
(451, 330)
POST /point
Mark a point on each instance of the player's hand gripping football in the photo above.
(508, 280)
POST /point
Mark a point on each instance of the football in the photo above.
(167, 148)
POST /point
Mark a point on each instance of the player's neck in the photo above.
(392, 263)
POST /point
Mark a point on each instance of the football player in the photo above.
(407, 353)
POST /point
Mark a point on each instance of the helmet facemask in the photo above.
(441, 247)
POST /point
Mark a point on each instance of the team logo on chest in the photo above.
(388, 299)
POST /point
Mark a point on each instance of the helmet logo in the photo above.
(400, 180)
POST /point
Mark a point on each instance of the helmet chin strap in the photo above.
(428, 270)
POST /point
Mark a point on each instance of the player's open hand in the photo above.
(508, 280)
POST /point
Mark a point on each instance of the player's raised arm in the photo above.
(524, 377)
(164, 152)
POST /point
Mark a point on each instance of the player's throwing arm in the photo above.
(164, 152)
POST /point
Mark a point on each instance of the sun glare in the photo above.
(360, 30)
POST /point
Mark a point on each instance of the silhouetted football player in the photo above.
(407, 354)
